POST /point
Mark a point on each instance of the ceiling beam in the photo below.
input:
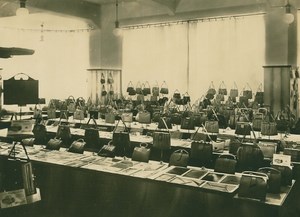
(171, 5)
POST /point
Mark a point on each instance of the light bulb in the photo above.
(22, 12)
(117, 31)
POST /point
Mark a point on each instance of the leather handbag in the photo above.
(274, 179)
(177, 97)
(130, 89)
(110, 79)
(243, 101)
(144, 117)
(201, 152)
(91, 135)
(186, 99)
(243, 128)
(77, 146)
(37, 112)
(222, 89)
(17, 176)
(71, 104)
(211, 89)
(155, 90)
(121, 140)
(253, 185)
(164, 88)
(187, 123)
(218, 146)
(138, 88)
(268, 128)
(212, 126)
(234, 146)
(141, 153)
(259, 95)
(78, 114)
(162, 140)
(51, 113)
(63, 132)
(40, 134)
(110, 118)
(28, 141)
(234, 92)
(54, 144)
(257, 120)
(226, 163)
(107, 150)
(103, 90)
(249, 157)
(127, 117)
(176, 118)
(146, 89)
(247, 92)
(268, 149)
(286, 174)
(179, 158)
(164, 123)
(293, 152)
(102, 79)
(282, 124)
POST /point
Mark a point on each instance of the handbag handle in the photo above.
(144, 145)
(92, 118)
(234, 86)
(228, 156)
(12, 151)
(80, 140)
(211, 85)
(259, 89)
(71, 98)
(164, 122)
(253, 173)
(126, 128)
(206, 132)
(222, 85)
(181, 151)
(268, 169)
(164, 84)
(28, 77)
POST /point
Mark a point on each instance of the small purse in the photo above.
(211, 89)
(127, 117)
(54, 144)
(102, 79)
(130, 89)
(146, 89)
(77, 146)
(259, 95)
(138, 88)
(222, 89)
(103, 90)
(155, 90)
(234, 92)
(28, 141)
(179, 158)
(79, 113)
(107, 150)
(40, 134)
(162, 140)
(247, 92)
(110, 79)
(141, 153)
(164, 88)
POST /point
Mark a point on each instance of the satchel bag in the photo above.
(187, 123)
(286, 174)
(54, 144)
(121, 140)
(40, 134)
(201, 153)
(164, 88)
(293, 152)
(268, 149)
(107, 150)
(243, 128)
(282, 124)
(63, 132)
(179, 158)
(18, 181)
(91, 135)
(274, 179)
(110, 118)
(226, 163)
(161, 140)
(212, 126)
(257, 120)
(141, 153)
(253, 185)
(77, 146)
(218, 146)
(144, 117)
(250, 157)
(222, 89)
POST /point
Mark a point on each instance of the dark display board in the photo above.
(21, 91)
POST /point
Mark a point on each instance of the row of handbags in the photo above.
(146, 90)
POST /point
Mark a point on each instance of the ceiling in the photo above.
(91, 9)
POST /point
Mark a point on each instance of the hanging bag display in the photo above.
(141, 153)
(222, 89)
(253, 185)
(179, 158)
(186, 98)
(146, 89)
(102, 79)
(155, 90)
(110, 79)
(103, 90)
(138, 88)
(234, 92)
(130, 89)
(18, 181)
(259, 95)
(247, 91)
(77, 146)
(164, 88)
(177, 97)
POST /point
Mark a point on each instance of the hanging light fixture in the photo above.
(22, 10)
(288, 16)
(117, 30)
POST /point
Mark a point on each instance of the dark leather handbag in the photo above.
(161, 140)
(179, 158)
(121, 140)
(144, 117)
(293, 152)
(249, 157)
(54, 144)
(107, 150)
(226, 163)
(176, 118)
(268, 128)
(141, 153)
(212, 126)
(77, 146)
(110, 118)
(164, 123)
(201, 152)
(274, 179)
(257, 120)
(286, 174)
(40, 134)
(187, 123)
(130, 89)
(253, 185)
(164, 88)
(91, 135)
(243, 128)
(63, 132)
(247, 92)
(234, 92)
(211, 89)
(234, 146)
(138, 88)
(222, 89)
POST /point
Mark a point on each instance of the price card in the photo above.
(281, 160)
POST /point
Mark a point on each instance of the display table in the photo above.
(88, 185)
